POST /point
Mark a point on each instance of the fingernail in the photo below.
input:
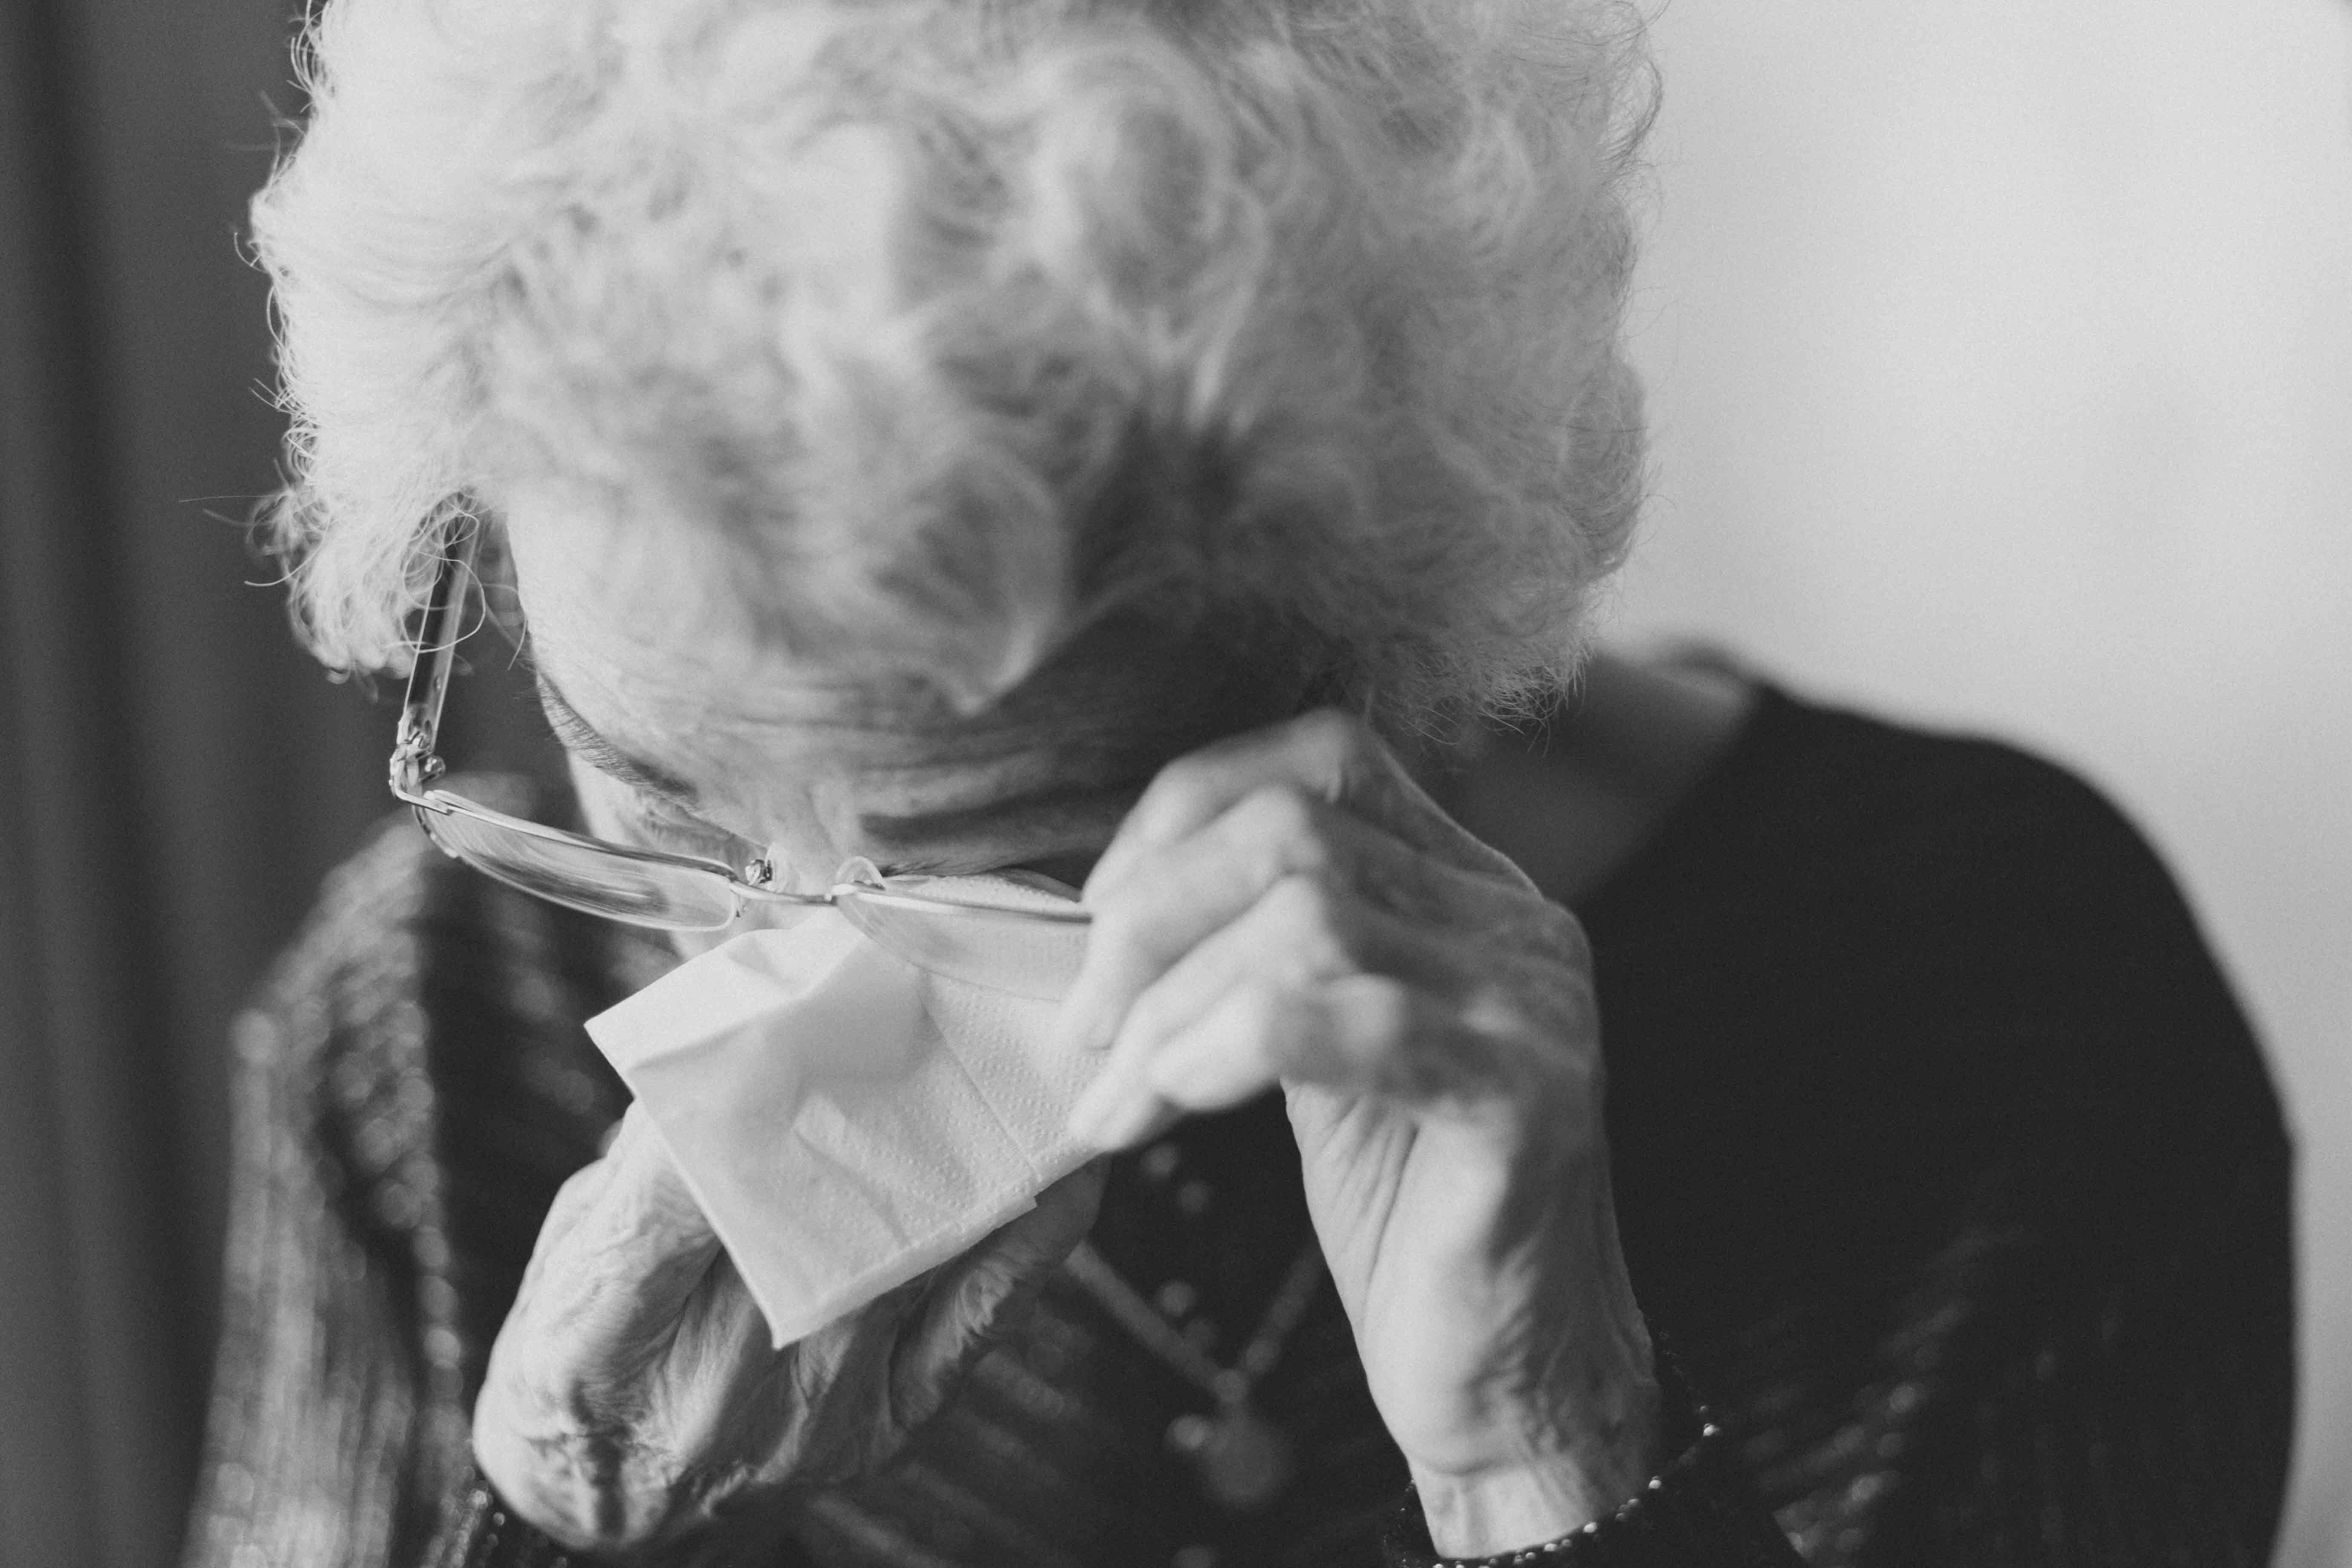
(1094, 1109)
(1112, 1113)
(1134, 1117)
(1196, 1070)
(1176, 1062)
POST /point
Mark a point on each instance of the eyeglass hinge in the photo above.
(412, 765)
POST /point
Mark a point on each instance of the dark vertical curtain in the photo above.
(174, 774)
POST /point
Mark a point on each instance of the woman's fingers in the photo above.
(1301, 935)
(971, 1303)
(1298, 935)
(630, 1248)
(970, 1298)
(1312, 986)
(1437, 1050)
(1363, 1034)
(1232, 836)
(1176, 896)
(609, 1282)
(1326, 755)
(634, 1389)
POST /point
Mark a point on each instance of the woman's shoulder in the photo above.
(423, 1033)
(397, 923)
(1808, 801)
(1929, 916)
(1661, 785)
(1915, 1050)
(1958, 837)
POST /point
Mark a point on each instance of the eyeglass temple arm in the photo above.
(415, 764)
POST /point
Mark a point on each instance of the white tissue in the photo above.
(846, 1120)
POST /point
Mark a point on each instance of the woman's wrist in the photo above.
(1497, 1512)
(1551, 1493)
(1606, 1501)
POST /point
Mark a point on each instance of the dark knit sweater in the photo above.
(1941, 1150)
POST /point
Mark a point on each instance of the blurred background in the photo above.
(2002, 364)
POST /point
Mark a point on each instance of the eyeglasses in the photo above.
(937, 924)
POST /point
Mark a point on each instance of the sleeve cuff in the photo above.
(1698, 1511)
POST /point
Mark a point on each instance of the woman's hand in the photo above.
(633, 1393)
(1288, 907)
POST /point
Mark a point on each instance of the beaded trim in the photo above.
(485, 1534)
(1409, 1542)
(1628, 1515)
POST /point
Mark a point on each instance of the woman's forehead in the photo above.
(706, 708)
(665, 665)
(828, 789)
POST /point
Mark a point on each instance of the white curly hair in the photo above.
(966, 323)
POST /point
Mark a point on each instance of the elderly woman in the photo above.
(1167, 448)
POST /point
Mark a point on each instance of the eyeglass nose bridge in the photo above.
(762, 874)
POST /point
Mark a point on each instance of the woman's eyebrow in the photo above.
(581, 738)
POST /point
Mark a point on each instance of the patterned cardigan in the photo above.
(1941, 1152)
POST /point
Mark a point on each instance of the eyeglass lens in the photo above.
(674, 898)
(1001, 948)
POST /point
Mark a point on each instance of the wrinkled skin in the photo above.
(1288, 907)
(1284, 908)
(633, 1393)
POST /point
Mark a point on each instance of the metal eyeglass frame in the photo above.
(416, 764)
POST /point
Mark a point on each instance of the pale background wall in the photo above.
(2000, 354)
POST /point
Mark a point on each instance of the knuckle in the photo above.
(587, 1484)
(1494, 1012)
(1382, 1014)
(1332, 744)
(582, 1184)
(1561, 933)
(1330, 735)
(1175, 792)
(573, 1201)
(1286, 829)
(1312, 923)
(1265, 1015)
(577, 1442)
(1302, 901)
(1152, 1018)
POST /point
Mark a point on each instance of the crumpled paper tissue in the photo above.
(846, 1120)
